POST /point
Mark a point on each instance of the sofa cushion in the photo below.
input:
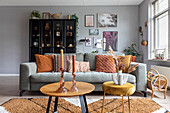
(91, 57)
(92, 77)
(105, 63)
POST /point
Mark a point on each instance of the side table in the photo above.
(83, 88)
(118, 90)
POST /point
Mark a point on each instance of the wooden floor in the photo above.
(9, 88)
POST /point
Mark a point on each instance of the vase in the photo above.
(120, 78)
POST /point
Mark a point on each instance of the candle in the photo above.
(73, 60)
(61, 55)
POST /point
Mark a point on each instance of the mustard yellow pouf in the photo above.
(118, 90)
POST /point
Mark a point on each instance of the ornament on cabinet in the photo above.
(57, 44)
(43, 44)
(47, 26)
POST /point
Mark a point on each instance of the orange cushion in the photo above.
(44, 63)
(105, 63)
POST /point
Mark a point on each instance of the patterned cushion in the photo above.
(56, 62)
(105, 63)
(79, 66)
(70, 66)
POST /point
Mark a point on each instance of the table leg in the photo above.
(56, 104)
(82, 104)
(129, 103)
(85, 101)
(49, 102)
(122, 105)
(103, 102)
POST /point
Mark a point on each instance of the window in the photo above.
(160, 27)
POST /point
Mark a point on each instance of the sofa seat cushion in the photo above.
(92, 77)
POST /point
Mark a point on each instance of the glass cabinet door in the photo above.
(58, 35)
(35, 34)
(70, 36)
(46, 42)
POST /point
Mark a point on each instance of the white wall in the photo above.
(14, 30)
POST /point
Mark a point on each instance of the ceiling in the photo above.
(68, 2)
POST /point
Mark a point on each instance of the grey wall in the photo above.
(143, 17)
(14, 24)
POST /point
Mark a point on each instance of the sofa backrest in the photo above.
(88, 57)
(91, 58)
(79, 56)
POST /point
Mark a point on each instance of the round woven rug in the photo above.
(39, 105)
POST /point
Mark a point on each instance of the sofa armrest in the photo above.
(141, 76)
(26, 69)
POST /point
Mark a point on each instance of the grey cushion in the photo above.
(92, 77)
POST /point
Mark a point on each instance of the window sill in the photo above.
(158, 60)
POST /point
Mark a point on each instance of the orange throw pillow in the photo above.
(44, 63)
(105, 63)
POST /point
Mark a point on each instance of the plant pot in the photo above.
(133, 58)
(144, 42)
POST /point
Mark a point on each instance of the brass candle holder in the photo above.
(62, 88)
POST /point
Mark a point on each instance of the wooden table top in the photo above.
(83, 88)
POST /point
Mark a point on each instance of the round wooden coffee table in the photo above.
(83, 88)
(118, 90)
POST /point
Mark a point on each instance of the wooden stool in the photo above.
(156, 82)
(118, 90)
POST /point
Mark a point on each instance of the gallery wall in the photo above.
(14, 30)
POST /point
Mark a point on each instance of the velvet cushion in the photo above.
(105, 63)
(126, 60)
(44, 63)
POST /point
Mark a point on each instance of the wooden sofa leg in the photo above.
(21, 92)
(144, 92)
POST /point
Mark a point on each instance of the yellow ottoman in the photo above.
(118, 90)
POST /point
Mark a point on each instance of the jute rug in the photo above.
(39, 105)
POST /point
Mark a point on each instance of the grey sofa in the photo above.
(32, 81)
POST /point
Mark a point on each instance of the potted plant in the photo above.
(132, 51)
(35, 14)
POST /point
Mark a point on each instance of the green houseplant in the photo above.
(74, 16)
(132, 51)
(35, 14)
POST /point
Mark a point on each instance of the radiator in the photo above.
(164, 71)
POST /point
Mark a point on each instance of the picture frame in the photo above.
(89, 41)
(107, 20)
(89, 20)
(97, 42)
(110, 38)
(93, 31)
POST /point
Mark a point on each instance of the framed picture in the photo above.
(97, 42)
(107, 20)
(93, 31)
(89, 20)
(110, 38)
(89, 41)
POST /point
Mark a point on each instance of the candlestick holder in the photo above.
(62, 88)
(73, 88)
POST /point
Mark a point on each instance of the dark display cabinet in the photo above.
(51, 35)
